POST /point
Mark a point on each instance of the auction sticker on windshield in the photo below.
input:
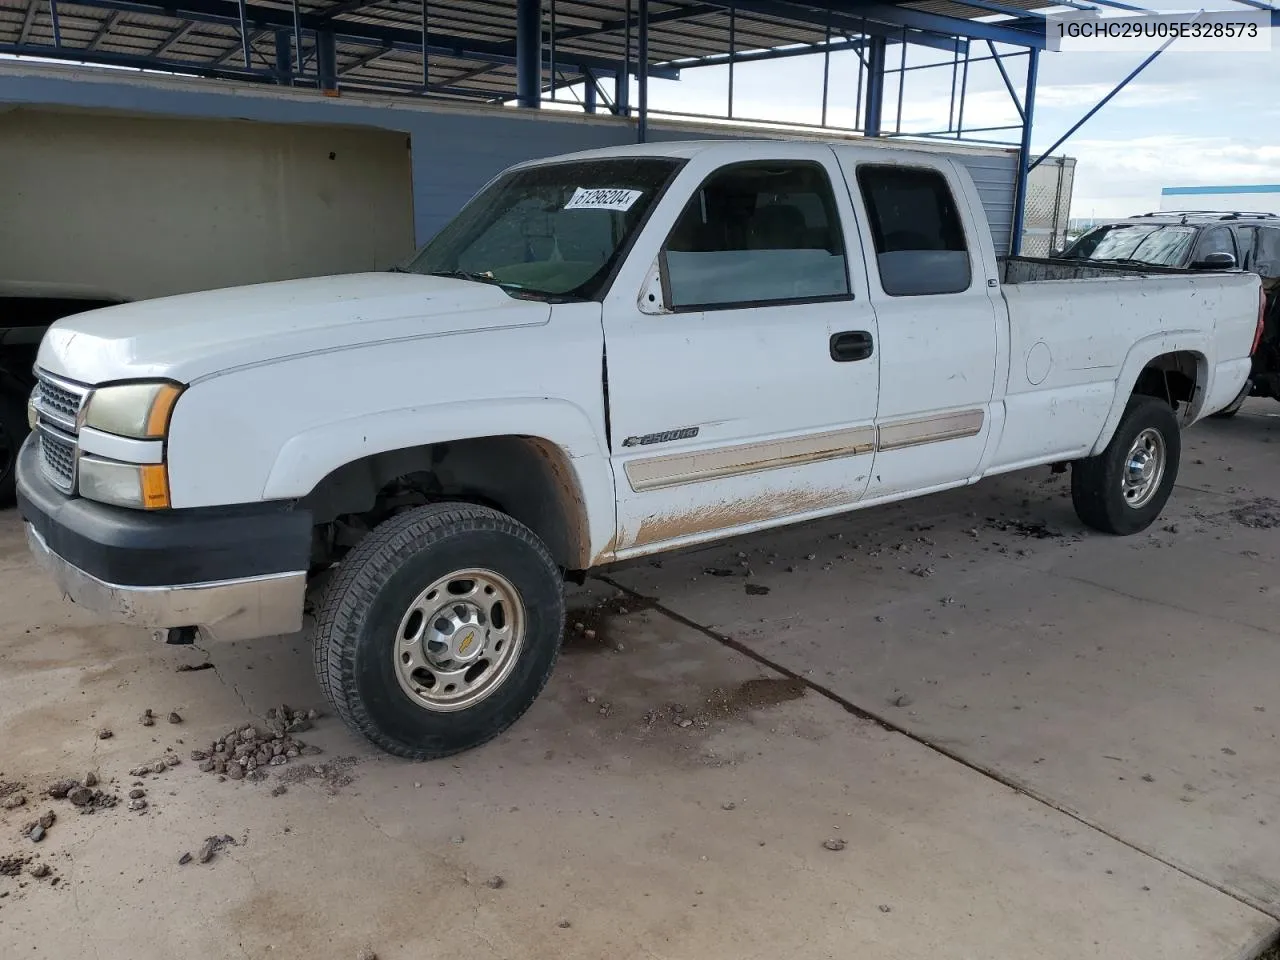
(603, 198)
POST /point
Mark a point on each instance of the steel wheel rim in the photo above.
(1144, 467)
(459, 640)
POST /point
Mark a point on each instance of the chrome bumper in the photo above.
(224, 610)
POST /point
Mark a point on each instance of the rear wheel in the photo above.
(440, 629)
(1123, 489)
(13, 430)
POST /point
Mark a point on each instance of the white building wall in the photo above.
(1253, 198)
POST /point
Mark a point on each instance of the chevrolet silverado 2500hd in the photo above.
(603, 356)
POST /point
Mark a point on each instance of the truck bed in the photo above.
(1038, 269)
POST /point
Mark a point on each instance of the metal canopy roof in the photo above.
(471, 44)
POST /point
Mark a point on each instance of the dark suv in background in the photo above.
(1202, 240)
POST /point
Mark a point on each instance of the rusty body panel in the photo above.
(731, 514)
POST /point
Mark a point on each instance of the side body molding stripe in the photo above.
(656, 473)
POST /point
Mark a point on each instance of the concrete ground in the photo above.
(1023, 739)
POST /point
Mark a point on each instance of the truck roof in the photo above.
(685, 149)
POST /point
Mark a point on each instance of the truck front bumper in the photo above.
(236, 572)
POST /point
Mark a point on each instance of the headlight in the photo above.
(134, 485)
(138, 410)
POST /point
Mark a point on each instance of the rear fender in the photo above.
(1141, 354)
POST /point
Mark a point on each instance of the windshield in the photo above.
(1156, 243)
(554, 230)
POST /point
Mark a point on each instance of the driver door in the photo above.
(748, 397)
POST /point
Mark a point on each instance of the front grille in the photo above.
(58, 400)
(58, 403)
(58, 458)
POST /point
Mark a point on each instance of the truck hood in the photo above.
(198, 335)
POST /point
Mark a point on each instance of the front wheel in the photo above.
(1123, 489)
(440, 629)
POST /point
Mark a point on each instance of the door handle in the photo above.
(851, 345)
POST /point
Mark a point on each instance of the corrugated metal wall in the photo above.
(455, 151)
(478, 147)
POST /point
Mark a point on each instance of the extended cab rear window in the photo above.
(917, 231)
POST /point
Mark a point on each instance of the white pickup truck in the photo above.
(603, 356)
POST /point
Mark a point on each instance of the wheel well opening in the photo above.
(527, 478)
(1177, 378)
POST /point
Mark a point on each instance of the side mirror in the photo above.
(1215, 261)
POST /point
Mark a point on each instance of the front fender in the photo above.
(1142, 353)
(308, 457)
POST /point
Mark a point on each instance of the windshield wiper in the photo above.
(466, 275)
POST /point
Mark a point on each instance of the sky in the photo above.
(1190, 118)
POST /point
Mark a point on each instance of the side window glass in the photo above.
(1216, 240)
(918, 234)
(1267, 259)
(758, 233)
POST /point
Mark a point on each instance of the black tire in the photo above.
(1097, 482)
(13, 431)
(360, 611)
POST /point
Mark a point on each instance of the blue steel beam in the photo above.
(780, 53)
(848, 20)
(28, 19)
(1022, 35)
(364, 60)
(176, 37)
(1008, 84)
(232, 52)
(1097, 106)
(1024, 154)
(103, 30)
(463, 48)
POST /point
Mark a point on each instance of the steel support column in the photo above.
(642, 61)
(622, 93)
(589, 91)
(874, 108)
(1024, 153)
(733, 49)
(326, 60)
(529, 53)
(284, 57)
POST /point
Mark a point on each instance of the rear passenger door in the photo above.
(749, 396)
(932, 289)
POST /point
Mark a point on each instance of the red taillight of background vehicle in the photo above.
(1262, 316)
